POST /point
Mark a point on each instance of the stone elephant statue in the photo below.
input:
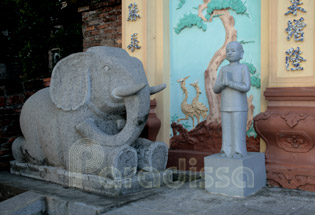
(91, 116)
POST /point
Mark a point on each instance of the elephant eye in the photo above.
(106, 68)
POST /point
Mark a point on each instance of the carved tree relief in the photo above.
(220, 9)
(214, 117)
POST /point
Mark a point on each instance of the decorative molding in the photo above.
(262, 116)
(292, 119)
(294, 141)
(289, 135)
(290, 94)
(291, 178)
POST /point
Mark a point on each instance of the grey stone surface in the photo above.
(152, 155)
(233, 82)
(96, 107)
(187, 199)
(28, 203)
(56, 205)
(235, 176)
(304, 209)
(7, 192)
(99, 184)
(82, 208)
(65, 197)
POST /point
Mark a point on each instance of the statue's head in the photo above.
(234, 51)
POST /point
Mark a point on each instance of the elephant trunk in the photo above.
(137, 104)
(137, 107)
(137, 111)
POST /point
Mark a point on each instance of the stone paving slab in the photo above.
(189, 198)
(72, 196)
(28, 203)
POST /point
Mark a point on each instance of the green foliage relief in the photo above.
(255, 81)
(174, 118)
(251, 67)
(236, 5)
(251, 132)
(188, 21)
(254, 78)
(186, 125)
(181, 4)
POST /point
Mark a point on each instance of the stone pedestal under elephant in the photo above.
(91, 116)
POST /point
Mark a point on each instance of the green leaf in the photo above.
(237, 5)
(181, 4)
(188, 21)
(251, 67)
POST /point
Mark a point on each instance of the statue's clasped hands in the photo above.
(226, 82)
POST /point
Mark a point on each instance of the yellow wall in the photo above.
(153, 34)
(284, 44)
(278, 75)
(130, 27)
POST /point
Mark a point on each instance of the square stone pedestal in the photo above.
(239, 177)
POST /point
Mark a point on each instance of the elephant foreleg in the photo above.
(17, 150)
(88, 157)
(120, 162)
(151, 155)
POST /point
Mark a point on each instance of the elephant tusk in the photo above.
(125, 91)
(157, 88)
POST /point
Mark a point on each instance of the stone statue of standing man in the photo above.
(233, 82)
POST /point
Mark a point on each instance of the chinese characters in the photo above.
(295, 29)
(133, 12)
(295, 7)
(133, 16)
(294, 57)
(134, 43)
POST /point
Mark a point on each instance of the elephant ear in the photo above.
(69, 88)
